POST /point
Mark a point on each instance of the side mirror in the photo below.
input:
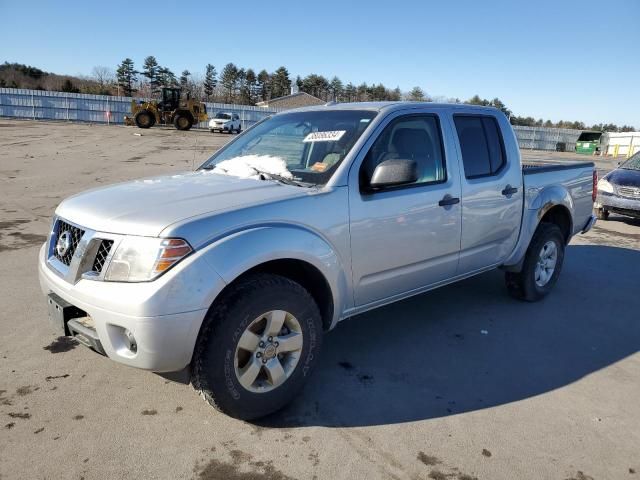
(394, 172)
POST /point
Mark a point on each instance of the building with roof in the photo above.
(295, 100)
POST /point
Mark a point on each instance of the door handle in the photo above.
(448, 200)
(509, 190)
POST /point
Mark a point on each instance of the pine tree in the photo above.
(240, 84)
(184, 78)
(336, 89)
(166, 77)
(150, 70)
(350, 92)
(251, 83)
(416, 95)
(497, 103)
(210, 81)
(184, 81)
(127, 75)
(229, 79)
(280, 83)
(264, 85)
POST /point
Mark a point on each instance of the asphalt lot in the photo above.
(459, 383)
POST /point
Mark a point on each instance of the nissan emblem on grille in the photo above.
(65, 241)
(63, 244)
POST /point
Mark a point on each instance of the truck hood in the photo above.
(147, 206)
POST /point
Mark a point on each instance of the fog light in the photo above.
(130, 341)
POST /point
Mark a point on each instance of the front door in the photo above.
(406, 237)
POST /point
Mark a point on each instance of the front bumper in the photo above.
(164, 315)
(219, 127)
(617, 204)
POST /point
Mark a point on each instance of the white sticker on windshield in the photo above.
(331, 136)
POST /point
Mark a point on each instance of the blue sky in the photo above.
(570, 60)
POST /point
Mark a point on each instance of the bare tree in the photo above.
(103, 75)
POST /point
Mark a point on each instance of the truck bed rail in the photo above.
(531, 168)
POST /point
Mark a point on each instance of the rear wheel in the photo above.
(144, 119)
(258, 345)
(182, 122)
(602, 214)
(541, 267)
(239, 128)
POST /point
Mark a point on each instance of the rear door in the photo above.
(491, 191)
(404, 238)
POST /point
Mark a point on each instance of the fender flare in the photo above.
(545, 199)
(239, 252)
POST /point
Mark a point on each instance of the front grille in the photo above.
(629, 192)
(101, 256)
(74, 234)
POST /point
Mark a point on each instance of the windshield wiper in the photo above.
(281, 179)
(271, 176)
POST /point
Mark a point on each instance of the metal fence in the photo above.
(542, 138)
(78, 107)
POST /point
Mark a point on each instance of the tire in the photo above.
(239, 129)
(602, 214)
(182, 122)
(144, 119)
(525, 285)
(217, 361)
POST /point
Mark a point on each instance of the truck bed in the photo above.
(574, 178)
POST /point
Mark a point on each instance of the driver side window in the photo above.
(411, 137)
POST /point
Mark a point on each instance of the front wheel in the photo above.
(182, 122)
(144, 119)
(258, 345)
(541, 267)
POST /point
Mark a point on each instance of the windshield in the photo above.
(223, 116)
(633, 163)
(303, 146)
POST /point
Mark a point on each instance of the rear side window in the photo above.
(481, 145)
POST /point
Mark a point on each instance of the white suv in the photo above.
(225, 122)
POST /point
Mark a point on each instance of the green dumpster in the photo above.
(588, 143)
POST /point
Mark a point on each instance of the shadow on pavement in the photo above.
(622, 219)
(429, 356)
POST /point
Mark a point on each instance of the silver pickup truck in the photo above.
(233, 272)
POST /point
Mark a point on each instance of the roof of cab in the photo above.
(390, 106)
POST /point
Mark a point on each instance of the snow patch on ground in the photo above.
(250, 166)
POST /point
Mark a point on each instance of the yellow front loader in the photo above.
(170, 110)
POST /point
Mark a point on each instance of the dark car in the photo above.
(619, 190)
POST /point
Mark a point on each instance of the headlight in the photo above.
(605, 186)
(140, 259)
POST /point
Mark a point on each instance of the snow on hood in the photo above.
(251, 166)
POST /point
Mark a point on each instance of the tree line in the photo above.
(234, 84)
(246, 86)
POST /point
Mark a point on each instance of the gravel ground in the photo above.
(459, 383)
